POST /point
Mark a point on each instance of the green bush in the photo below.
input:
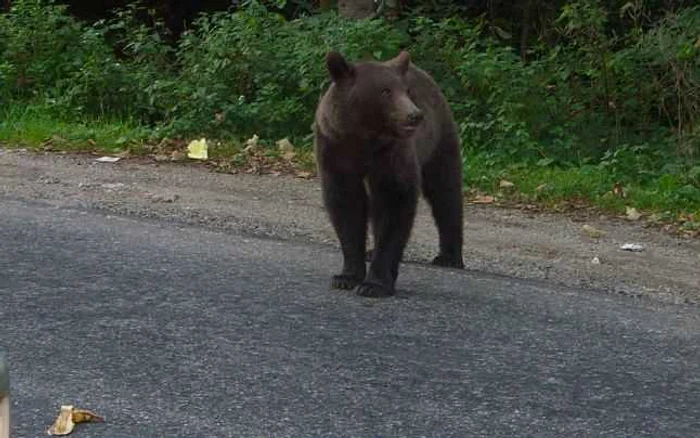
(620, 101)
(68, 66)
(254, 72)
(669, 64)
(40, 47)
(505, 107)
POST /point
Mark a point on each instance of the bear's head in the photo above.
(374, 97)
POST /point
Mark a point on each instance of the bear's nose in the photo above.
(415, 117)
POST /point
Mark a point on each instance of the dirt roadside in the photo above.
(497, 240)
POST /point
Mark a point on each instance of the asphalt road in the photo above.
(178, 331)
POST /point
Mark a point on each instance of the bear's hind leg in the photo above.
(442, 188)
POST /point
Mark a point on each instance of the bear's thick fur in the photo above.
(382, 133)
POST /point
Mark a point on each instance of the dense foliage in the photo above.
(610, 90)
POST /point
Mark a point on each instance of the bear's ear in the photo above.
(338, 67)
(401, 62)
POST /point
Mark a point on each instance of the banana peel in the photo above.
(85, 416)
(68, 417)
(593, 232)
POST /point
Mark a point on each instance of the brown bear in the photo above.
(382, 132)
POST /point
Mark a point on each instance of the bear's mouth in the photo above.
(409, 129)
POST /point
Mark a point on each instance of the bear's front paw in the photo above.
(448, 262)
(373, 290)
(345, 282)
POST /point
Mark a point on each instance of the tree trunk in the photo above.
(393, 9)
(525, 32)
(324, 5)
(356, 9)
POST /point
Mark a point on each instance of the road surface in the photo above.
(509, 242)
(176, 330)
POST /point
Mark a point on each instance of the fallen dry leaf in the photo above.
(686, 217)
(68, 417)
(177, 156)
(126, 153)
(481, 199)
(691, 233)
(286, 149)
(504, 184)
(166, 198)
(592, 231)
(252, 143)
(618, 190)
(655, 217)
(48, 144)
(304, 175)
(632, 214)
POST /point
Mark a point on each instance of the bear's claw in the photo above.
(372, 290)
(345, 282)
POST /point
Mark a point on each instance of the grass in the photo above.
(669, 199)
(672, 200)
(35, 128)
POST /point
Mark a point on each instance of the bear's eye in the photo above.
(386, 92)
